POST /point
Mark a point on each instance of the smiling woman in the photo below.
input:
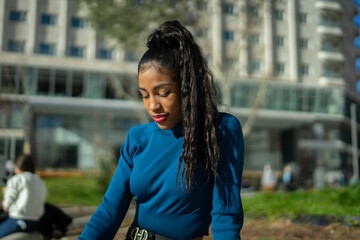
(185, 168)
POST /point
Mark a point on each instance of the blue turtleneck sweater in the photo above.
(148, 168)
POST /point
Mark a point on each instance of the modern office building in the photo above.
(285, 68)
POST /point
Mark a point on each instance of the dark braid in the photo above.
(174, 50)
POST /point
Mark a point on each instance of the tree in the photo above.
(130, 21)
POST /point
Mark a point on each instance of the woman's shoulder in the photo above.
(142, 130)
(227, 120)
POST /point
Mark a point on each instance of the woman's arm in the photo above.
(107, 219)
(227, 213)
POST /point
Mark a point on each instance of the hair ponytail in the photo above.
(173, 47)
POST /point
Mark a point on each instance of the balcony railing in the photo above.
(333, 5)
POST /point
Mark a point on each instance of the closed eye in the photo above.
(145, 97)
(165, 94)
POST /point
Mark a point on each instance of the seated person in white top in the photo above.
(24, 198)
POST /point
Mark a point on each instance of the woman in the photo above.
(24, 198)
(184, 168)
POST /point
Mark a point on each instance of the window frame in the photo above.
(77, 51)
(16, 46)
(47, 48)
(48, 19)
(78, 22)
(228, 35)
(17, 16)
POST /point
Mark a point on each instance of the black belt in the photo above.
(136, 233)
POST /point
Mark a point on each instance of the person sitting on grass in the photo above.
(24, 198)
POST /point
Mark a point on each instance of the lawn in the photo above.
(344, 201)
(73, 191)
(335, 201)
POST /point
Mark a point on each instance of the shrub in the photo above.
(350, 195)
(107, 168)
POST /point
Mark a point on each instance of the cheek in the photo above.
(146, 105)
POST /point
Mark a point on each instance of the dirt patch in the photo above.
(283, 229)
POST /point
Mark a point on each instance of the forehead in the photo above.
(151, 76)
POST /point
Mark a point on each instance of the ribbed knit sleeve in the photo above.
(227, 213)
(111, 212)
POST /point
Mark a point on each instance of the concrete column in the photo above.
(63, 20)
(216, 35)
(2, 20)
(293, 50)
(243, 55)
(91, 47)
(31, 40)
(268, 39)
(119, 54)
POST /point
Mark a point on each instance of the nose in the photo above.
(155, 105)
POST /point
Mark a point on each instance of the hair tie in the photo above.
(162, 43)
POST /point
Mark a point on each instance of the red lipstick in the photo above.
(159, 118)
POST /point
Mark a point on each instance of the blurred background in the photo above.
(287, 69)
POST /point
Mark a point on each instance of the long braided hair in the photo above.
(174, 51)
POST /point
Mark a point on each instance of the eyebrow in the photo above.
(156, 87)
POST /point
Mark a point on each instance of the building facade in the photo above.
(285, 68)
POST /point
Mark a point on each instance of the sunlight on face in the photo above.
(161, 97)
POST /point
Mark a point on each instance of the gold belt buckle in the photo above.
(139, 234)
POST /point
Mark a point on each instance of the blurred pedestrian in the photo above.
(268, 179)
(24, 198)
(289, 179)
(185, 168)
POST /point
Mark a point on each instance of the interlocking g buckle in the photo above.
(139, 234)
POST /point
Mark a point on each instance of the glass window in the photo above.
(304, 69)
(76, 51)
(279, 15)
(280, 67)
(77, 84)
(78, 22)
(130, 56)
(109, 88)
(43, 87)
(254, 66)
(228, 35)
(16, 46)
(228, 8)
(203, 33)
(280, 41)
(48, 19)
(18, 16)
(201, 5)
(304, 43)
(254, 39)
(332, 70)
(60, 83)
(303, 18)
(7, 79)
(47, 48)
(253, 11)
(105, 53)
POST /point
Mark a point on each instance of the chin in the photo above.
(164, 127)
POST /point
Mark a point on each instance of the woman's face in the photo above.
(161, 97)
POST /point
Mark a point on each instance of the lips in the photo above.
(159, 118)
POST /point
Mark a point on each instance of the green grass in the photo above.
(337, 202)
(290, 204)
(73, 190)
